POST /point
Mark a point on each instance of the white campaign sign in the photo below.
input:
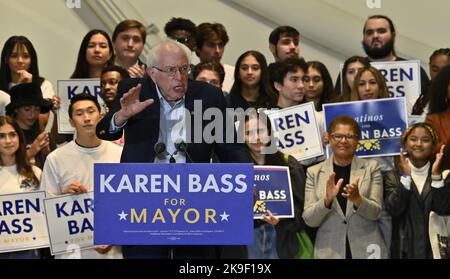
(402, 78)
(70, 221)
(22, 222)
(69, 88)
(296, 131)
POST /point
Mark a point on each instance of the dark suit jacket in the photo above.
(142, 130)
(141, 135)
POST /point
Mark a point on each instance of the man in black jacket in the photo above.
(153, 110)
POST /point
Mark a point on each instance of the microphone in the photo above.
(181, 146)
(161, 152)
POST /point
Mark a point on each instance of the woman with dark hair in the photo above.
(343, 199)
(16, 173)
(349, 71)
(439, 111)
(318, 84)
(413, 190)
(274, 237)
(438, 60)
(26, 105)
(96, 52)
(19, 64)
(251, 86)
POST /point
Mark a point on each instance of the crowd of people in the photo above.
(344, 206)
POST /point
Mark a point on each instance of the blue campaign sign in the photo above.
(273, 192)
(381, 121)
(173, 204)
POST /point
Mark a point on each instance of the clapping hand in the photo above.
(332, 189)
(404, 163)
(351, 192)
(435, 169)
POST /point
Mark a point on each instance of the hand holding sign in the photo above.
(74, 188)
(269, 218)
(131, 105)
(103, 249)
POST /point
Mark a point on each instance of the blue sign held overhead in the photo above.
(173, 204)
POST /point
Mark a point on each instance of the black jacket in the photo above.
(410, 213)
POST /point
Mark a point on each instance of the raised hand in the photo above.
(332, 189)
(56, 102)
(435, 169)
(40, 142)
(351, 192)
(130, 105)
(404, 163)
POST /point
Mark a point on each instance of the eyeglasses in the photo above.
(340, 137)
(172, 71)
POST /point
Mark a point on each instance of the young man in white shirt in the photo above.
(69, 169)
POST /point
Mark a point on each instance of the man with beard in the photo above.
(378, 43)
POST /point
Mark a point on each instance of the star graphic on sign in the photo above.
(122, 215)
(224, 216)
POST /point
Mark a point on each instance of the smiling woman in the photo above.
(415, 189)
(343, 198)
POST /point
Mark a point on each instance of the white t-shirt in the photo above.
(4, 100)
(12, 182)
(73, 162)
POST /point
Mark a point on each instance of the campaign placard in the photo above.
(70, 222)
(273, 191)
(173, 204)
(402, 78)
(296, 131)
(381, 122)
(22, 222)
(66, 89)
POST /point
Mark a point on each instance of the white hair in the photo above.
(154, 55)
